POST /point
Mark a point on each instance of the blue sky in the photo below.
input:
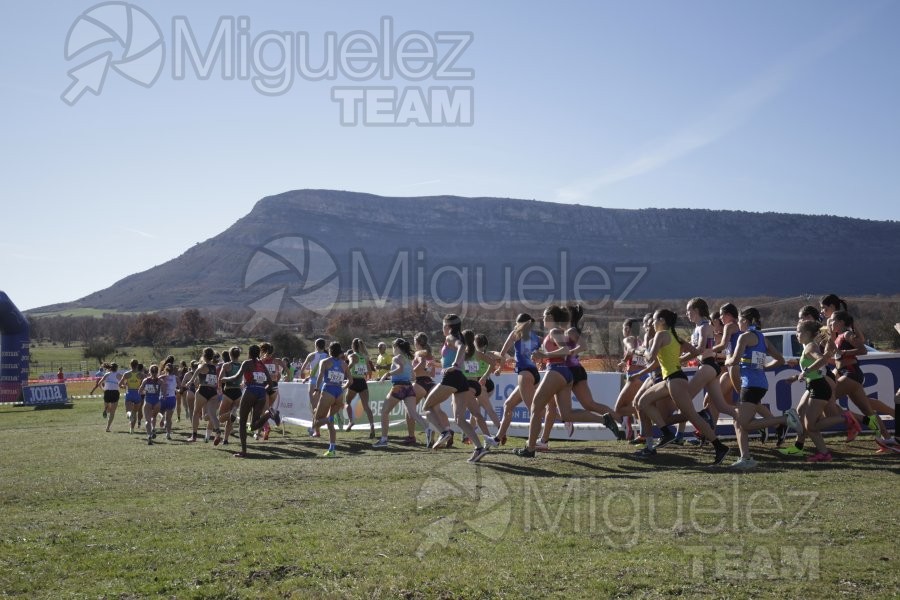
(766, 105)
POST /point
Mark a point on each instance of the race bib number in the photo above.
(211, 380)
(471, 366)
(639, 360)
(259, 377)
(335, 377)
(359, 369)
(151, 389)
(758, 360)
(271, 368)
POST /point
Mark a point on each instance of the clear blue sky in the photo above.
(764, 105)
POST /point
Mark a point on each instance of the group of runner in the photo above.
(730, 351)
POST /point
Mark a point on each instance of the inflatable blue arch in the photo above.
(15, 341)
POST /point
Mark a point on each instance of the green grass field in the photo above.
(103, 515)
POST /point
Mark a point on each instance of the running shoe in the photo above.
(781, 432)
(667, 438)
(611, 424)
(409, 440)
(372, 434)
(888, 444)
(381, 443)
(524, 452)
(104, 414)
(442, 440)
(639, 440)
(793, 420)
(743, 464)
(429, 437)
(698, 442)
(819, 457)
(679, 440)
(276, 416)
(216, 441)
(570, 428)
(853, 426)
(477, 455)
(872, 422)
(149, 441)
(466, 440)
(239, 455)
(169, 437)
(450, 441)
(645, 453)
(328, 454)
(721, 453)
(793, 450)
(542, 446)
(489, 442)
(350, 426)
(128, 415)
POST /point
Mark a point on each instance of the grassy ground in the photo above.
(93, 514)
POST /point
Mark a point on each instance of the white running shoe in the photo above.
(793, 420)
(743, 464)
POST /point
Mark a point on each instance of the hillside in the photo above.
(686, 252)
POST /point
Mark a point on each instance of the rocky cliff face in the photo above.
(449, 246)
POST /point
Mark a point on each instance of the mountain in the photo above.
(290, 244)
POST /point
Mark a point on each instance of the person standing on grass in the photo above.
(179, 393)
(275, 366)
(402, 390)
(580, 387)
(110, 384)
(333, 376)
(423, 370)
(478, 371)
(557, 380)
(476, 367)
(753, 351)
(150, 387)
(60, 376)
(453, 383)
(818, 393)
(360, 367)
(253, 400)
(849, 345)
(824, 347)
(207, 391)
(231, 391)
(524, 342)
(131, 381)
(189, 391)
(382, 361)
(312, 363)
(666, 351)
(168, 401)
(632, 361)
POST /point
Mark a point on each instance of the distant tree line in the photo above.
(601, 326)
